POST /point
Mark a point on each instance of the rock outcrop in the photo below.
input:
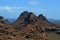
(31, 27)
(28, 26)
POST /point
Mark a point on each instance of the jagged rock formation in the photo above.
(30, 22)
(42, 18)
(28, 26)
(39, 22)
(20, 22)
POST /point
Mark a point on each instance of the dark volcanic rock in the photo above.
(1, 17)
(41, 17)
(31, 18)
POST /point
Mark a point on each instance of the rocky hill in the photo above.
(28, 26)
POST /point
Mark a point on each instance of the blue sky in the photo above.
(13, 8)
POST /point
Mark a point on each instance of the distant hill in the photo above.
(11, 20)
(54, 21)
